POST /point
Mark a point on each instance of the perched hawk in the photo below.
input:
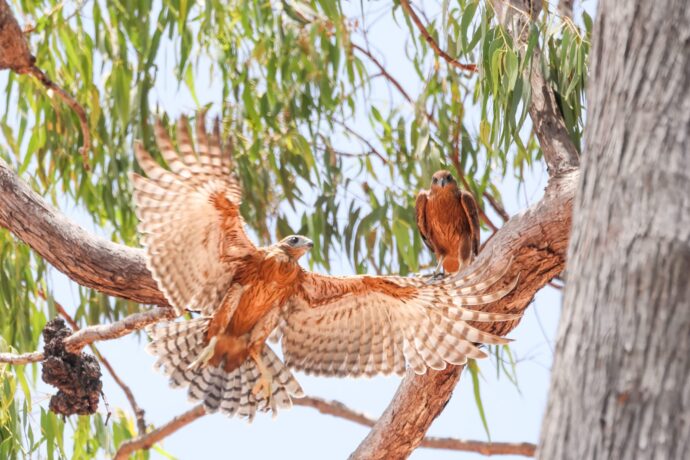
(204, 262)
(448, 221)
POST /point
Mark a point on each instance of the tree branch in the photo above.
(23, 358)
(131, 323)
(560, 152)
(525, 449)
(384, 72)
(149, 439)
(89, 260)
(14, 49)
(334, 408)
(88, 335)
(340, 410)
(430, 40)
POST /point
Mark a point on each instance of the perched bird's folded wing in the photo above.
(422, 224)
(189, 217)
(367, 325)
(469, 206)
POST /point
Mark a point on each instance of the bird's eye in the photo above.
(433, 181)
(449, 178)
(294, 240)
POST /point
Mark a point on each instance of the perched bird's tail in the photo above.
(178, 345)
(451, 264)
(454, 264)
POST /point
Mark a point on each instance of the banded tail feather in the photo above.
(178, 344)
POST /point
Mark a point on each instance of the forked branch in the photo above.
(336, 409)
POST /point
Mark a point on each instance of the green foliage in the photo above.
(292, 82)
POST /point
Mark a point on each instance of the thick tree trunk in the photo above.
(620, 386)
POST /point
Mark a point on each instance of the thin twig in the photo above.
(90, 334)
(525, 449)
(338, 409)
(138, 411)
(108, 412)
(556, 285)
(30, 28)
(117, 329)
(21, 358)
(500, 210)
(149, 439)
(340, 153)
(334, 408)
(430, 40)
(385, 74)
(71, 102)
(363, 139)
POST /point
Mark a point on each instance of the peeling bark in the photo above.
(620, 385)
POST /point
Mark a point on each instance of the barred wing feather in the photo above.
(365, 325)
(189, 220)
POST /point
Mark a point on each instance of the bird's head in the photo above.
(442, 179)
(295, 245)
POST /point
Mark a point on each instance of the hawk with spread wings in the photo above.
(448, 221)
(203, 261)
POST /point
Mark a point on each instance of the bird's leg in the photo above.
(265, 379)
(205, 354)
(439, 268)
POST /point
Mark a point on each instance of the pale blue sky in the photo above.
(301, 432)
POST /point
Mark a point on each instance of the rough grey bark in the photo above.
(620, 385)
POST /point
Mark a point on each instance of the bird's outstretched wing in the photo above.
(367, 325)
(189, 217)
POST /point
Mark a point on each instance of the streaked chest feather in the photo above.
(266, 282)
(444, 213)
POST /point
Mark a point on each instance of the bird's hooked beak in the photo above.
(302, 247)
(444, 181)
